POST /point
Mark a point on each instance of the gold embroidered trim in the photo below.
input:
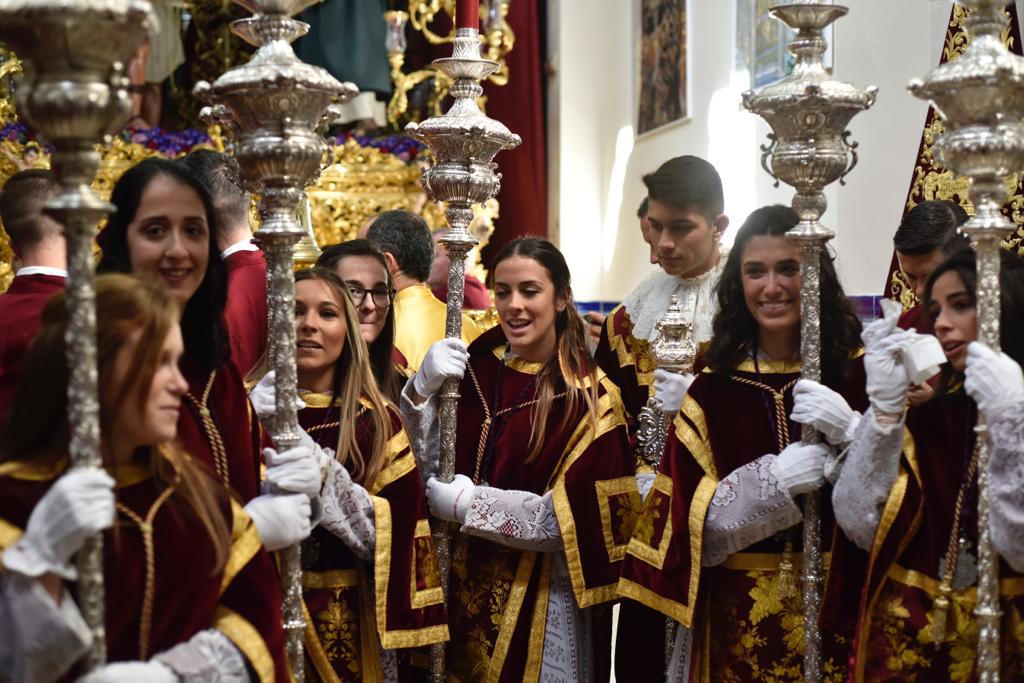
(9, 534)
(605, 490)
(333, 578)
(397, 469)
(34, 471)
(767, 561)
(696, 442)
(510, 617)
(770, 367)
(643, 550)
(889, 512)
(420, 599)
(538, 625)
(245, 543)
(1008, 587)
(248, 640)
(518, 364)
(631, 351)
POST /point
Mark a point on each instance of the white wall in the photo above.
(597, 161)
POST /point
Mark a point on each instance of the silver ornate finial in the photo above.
(674, 348)
(809, 148)
(274, 106)
(980, 97)
(74, 92)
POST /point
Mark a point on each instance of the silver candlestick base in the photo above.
(980, 96)
(74, 92)
(463, 143)
(809, 148)
(273, 105)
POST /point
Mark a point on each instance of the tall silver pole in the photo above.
(980, 97)
(808, 112)
(74, 92)
(463, 142)
(274, 105)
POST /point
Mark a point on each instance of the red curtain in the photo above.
(520, 105)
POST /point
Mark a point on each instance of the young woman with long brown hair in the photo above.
(190, 593)
(162, 232)
(544, 491)
(370, 583)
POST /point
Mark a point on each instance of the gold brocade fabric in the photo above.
(930, 180)
(420, 321)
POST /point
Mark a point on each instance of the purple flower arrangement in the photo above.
(169, 143)
(403, 147)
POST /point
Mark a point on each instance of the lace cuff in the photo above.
(348, 511)
(518, 519)
(870, 468)
(644, 482)
(39, 639)
(748, 506)
(1006, 486)
(423, 427)
(207, 657)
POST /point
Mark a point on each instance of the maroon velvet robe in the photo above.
(246, 311)
(498, 595)
(354, 608)
(893, 637)
(20, 309)
(242, 601)
(231, 422)
(745, 614)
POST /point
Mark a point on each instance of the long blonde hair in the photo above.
(572, 368)
(38, 430)
(353, 382)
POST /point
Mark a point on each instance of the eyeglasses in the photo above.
(381, 297)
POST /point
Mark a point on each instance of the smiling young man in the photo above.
(685, 220)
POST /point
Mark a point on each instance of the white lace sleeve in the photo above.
(518, 519)
(748, 506)
(424, 430)
(868, 472)
(348, 511)
(1006, 486)
(207, 657)
(39, 639)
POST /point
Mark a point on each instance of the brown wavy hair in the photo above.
(571, 368)
(38, 430)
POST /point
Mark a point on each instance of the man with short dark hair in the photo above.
(685, 221)
(245, 313)
(925, 237)
(405, 240)
(38, 241)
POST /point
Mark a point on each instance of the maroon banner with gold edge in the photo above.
(931, 180)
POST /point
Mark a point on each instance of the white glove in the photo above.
(825, 410)
(263, 397)
(800, 467)
(887, 379)
(993, 380)
(670, 388)
(295, 470)
(446, 358)
(78, 505)
(131, 672)
(281, 521)
(450, 501)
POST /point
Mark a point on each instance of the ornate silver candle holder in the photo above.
(980, 97)
(74, 92)
(463, 143)
(809, 148)
(274, 105)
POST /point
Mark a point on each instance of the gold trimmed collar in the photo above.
(314, 399)
(124, 475)
(517, 363)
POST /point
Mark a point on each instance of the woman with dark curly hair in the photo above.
(720, 533)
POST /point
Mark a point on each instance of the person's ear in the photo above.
(392, 262)
(720, 225)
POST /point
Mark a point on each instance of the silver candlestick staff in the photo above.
(808, 112)
(74, 92)
(276, 103)
(980, 96)
(463, 143)
(672, 350)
